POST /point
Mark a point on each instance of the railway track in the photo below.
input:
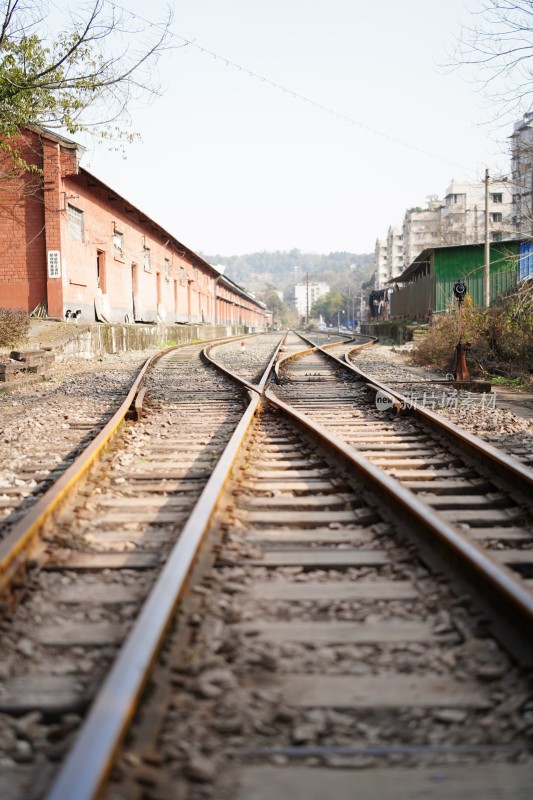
(314, 650)
(487, 415)
(90, 565)
(481, 492)
(321, 656)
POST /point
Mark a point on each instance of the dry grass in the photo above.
(14, 326)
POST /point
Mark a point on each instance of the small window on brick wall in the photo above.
(147, 259)
(167, 268)
(75, 223)
(118, 244)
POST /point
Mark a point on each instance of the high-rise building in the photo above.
(457, 219)
(388, 256)
(395, 254)
(522, 175)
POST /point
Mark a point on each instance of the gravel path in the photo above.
(247, 358)
(43, 425)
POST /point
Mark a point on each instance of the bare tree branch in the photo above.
(499, 43)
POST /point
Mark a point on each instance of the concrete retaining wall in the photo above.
(393, 330)
(100, 338)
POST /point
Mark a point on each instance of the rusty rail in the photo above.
(91, 758)
(515, 600)
(16, 548)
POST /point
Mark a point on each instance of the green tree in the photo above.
(81, 78)
(285, 268)
(331, 307)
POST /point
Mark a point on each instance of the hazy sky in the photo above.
(229, 164)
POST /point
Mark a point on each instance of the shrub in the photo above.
(501, 337)
(438, 346)
(14, 326)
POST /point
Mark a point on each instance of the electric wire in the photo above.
(296, 95)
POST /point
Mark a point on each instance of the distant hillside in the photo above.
(255, 271)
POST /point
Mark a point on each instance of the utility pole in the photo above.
(361, 308)
(486, 271)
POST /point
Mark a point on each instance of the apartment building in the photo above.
(458, 219)
(422, 228)
(305, 294)
(522, 176)
(395, 251)
(389, 256)
(463, 215)
(381, 266)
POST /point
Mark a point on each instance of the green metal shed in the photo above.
(427, 284)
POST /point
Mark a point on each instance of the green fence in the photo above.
(451, 264)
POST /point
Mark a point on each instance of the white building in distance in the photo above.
(422, 228)
(305, 294)
(388, 256)
(395, 253)
(463, 215)
(460, 217)
(381, 266)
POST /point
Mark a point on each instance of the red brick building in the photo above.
(70, 243)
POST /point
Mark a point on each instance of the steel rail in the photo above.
(520, 476)
(90, 760)
(252, 387)
(292, 356)
(514, 597)
(18, 541)
(15, 548)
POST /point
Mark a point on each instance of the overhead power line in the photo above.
(297, 95)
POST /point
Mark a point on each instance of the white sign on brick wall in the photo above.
(54, 264)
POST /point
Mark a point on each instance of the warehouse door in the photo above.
(100, 272)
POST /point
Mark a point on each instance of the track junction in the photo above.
(308, 593)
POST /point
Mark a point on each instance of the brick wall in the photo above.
(22, 240)
(104, 215)
(153, 276)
